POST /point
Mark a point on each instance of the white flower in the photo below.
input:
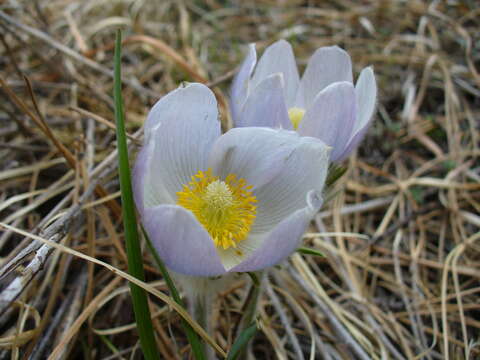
(215, 203)
(323, 104)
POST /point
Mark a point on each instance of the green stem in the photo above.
(202, 313)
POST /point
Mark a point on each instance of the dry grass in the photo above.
(410, 291)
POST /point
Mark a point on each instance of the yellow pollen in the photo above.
(225, 208)
(296, 115)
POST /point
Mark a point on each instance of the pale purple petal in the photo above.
(279, 58)
(331, 117)
(146, 192)
(352, 144)
(327, 65)
(268, 248)
(303, 171)
(138, 176)
(366, 94)
(182, 243)
(240, 83)
(278, 244)
(281, 166)
(256, 154)
(188, 127)
(265, 105)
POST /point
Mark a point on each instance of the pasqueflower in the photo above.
(324, 103)
(215, 203)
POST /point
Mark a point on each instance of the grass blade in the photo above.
(242, 341)
(310, 251)
(135, 263)
(193, 339)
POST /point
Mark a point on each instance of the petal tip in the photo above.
(332, 49)
(281, 42)
(314, 201)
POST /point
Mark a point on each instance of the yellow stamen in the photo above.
(225, 208)
(296, 115)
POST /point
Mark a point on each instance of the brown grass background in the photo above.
(403, 285)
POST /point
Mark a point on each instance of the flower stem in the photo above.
(202, 311)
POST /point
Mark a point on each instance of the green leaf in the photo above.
(242, 341)
(309, 251)
(335, 172)
(249, 310)
(449, 165)
(417, 193)
(109, 344)
(254, 278)
(134, 254)
(193, 339)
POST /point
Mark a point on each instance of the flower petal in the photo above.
(265, 105)
(255, 252)
(187, 126)
(366, 94)
(327, 65)
(253, 153)
(277, 244)
(352, 144)
(232, 257)
(331, 117)
(279, 58)
(240, 83)
(147, 193)
(182, 243)
(281, 166)
(303, 172)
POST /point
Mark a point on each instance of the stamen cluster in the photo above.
(225, 208)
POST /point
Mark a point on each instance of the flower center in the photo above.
(225, 208)
(296, 115)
